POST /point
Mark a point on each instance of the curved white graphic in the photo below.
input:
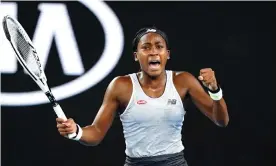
(112, 52)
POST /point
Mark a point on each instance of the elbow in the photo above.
(222, 120)
(90, 143)
(222, 123)
(91, 136)
(95, 143)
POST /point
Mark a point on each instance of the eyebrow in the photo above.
(158, 42)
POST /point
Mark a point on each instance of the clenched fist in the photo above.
(66, 127)
(208, 79)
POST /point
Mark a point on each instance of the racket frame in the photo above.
(40, 81)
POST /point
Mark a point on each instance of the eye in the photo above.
(160, 46)
(145, 47)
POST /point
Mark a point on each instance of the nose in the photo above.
(154, 51)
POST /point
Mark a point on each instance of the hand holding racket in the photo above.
(66, 127)
(27, 56)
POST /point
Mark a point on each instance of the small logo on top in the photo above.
(141, 102)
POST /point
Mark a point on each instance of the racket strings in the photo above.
(24, 49)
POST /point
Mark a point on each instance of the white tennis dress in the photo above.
(152, 126)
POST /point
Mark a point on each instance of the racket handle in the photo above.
(59, 112)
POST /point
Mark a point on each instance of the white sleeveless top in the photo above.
(152, 126)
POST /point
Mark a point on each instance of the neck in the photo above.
(152, 82)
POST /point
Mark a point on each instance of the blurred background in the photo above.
(236, 39)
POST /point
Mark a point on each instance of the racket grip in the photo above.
(59, 112)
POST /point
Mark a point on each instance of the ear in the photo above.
(135, 56)
(169, 54)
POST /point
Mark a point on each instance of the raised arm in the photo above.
(214, 109)
(93, 134)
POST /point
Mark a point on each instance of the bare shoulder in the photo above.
(121, 87)
(185, 82)
(183, 77)
(120, 82)
(182, 81)
(184, 74)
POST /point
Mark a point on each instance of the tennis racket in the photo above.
(26, 54)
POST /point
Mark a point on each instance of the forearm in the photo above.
(91, 136)
(220, 113)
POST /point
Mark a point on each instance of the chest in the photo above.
(125, 97)
(154, 92)
(167, 109)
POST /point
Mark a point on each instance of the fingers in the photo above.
(207, 76)
(66, 122)
(209, 80)
(66, 127)
(63, 134)
(205, 70)
(200, 78)
(60, 120)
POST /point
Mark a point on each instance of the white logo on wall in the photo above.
(54, 24)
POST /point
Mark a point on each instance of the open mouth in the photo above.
(154, 64)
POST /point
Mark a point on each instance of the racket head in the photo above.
(25, 51)
(27, 56)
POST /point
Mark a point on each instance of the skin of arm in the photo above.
(117, 95)
(214, 110)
